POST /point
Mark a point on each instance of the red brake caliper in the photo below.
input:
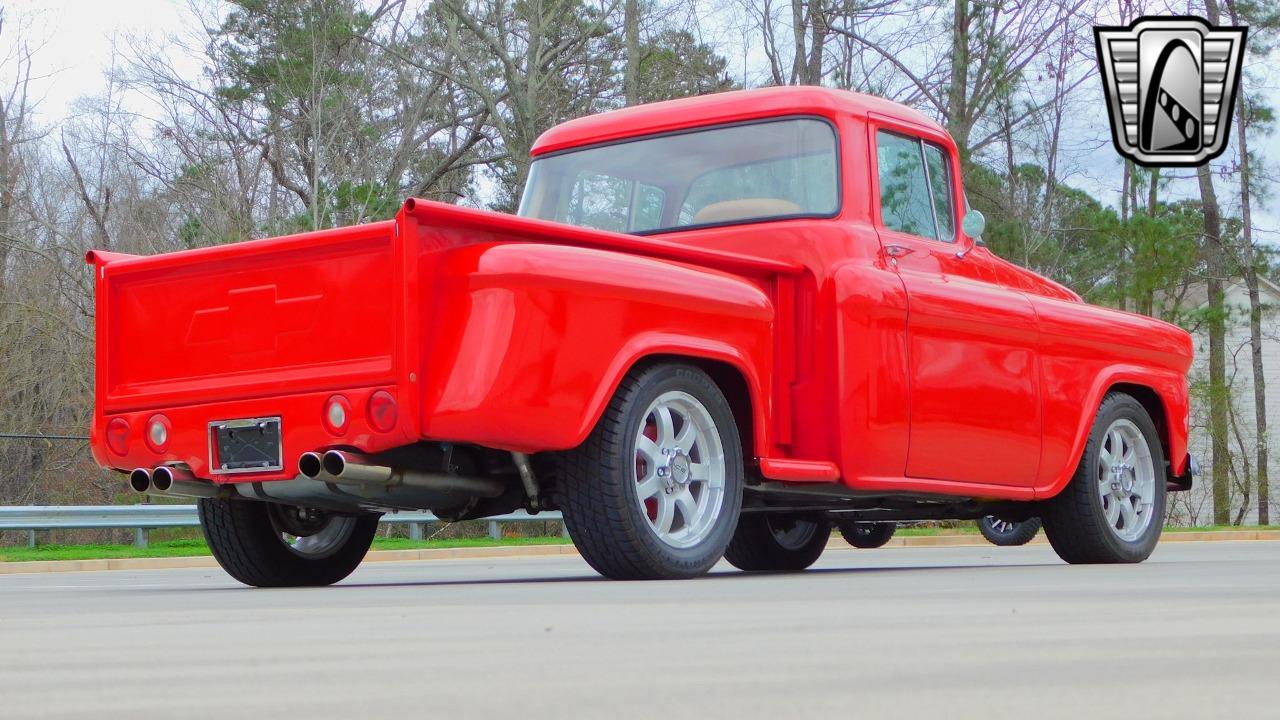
(650, 504)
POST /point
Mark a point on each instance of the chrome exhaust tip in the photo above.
(310, 464)
(334, 463)
(177, 482)
(341, 463)
(162, 479)
(140, 480)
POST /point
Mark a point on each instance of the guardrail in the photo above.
(142, 518)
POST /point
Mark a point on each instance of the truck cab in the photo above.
(716, 327)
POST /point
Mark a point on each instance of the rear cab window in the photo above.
(767, 170)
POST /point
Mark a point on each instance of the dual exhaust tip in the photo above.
(333, 466)
(167, 480)
(333, 462)
(349, 468)
(159, 480)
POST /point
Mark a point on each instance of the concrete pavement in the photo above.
(898, 632)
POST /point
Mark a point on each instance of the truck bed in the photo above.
(308, 312)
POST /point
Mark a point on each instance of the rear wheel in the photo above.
(271, 545)
(1008, 533)
(777, 542)
(867, 535)
(1112, 511)
(655, 490)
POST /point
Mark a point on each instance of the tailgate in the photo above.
(286, 315)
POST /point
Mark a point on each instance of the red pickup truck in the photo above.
(717, 327)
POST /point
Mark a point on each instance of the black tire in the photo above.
(867, 535)
(777, 542)
(597, 487)
(1075, 520)
(246, 541)
(1007, 533)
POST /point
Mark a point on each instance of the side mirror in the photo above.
(973, 224)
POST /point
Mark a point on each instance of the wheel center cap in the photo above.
(1123, 478)
(680, 468)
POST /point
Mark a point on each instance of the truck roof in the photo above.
(719, 108)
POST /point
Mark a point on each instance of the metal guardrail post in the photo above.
(564, 529)
(415, 531)
(494, 531)
(140, 537)
(31, 538)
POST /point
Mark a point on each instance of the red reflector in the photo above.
(118, 436)
(383, 411)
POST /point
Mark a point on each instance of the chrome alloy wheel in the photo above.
(679, 469)
(793, 533)
(1003, 527)
(1126, 480)
(311, 534)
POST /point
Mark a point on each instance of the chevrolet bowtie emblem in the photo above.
(253, 319)
(1171, 87)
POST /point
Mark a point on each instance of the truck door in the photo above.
(975, 407)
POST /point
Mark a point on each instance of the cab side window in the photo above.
(915, 187)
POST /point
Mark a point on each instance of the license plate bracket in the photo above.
(245, 446)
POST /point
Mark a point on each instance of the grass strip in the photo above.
(192, 548)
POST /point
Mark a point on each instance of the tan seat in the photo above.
(745, 208)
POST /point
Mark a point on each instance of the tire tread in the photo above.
(598, 513)
(244, 542)
(1074, 522)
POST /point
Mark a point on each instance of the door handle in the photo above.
(897, 251)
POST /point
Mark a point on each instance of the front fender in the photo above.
(526, 343)
(1171, 388)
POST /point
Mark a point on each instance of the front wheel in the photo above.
(655, 490)
(777, 542)
(271, 545)
(867, 535)
(1112, 511)
(1008, 533)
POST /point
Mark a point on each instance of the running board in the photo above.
(799, 471)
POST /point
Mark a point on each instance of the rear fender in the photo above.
(530, 341)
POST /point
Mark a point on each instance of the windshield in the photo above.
(739, 173)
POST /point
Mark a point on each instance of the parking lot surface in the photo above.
(909, 632)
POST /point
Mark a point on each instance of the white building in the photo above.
(1196, 507)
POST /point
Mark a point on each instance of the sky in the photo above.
(76, 38)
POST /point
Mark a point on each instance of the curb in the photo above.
(465, 553)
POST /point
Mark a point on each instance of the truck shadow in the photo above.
(715, 576)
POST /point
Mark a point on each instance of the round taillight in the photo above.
(118, 436)
(383, 411)
(158, 433)
(337, 414)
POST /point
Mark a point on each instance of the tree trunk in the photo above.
(818, 24)
(957, 94)
(1215, 268)
(1147, 300)
(798, 64)
(1250, 267)
(1218, 399)
(1153, 192)
(1124, 191)
(631, 29)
